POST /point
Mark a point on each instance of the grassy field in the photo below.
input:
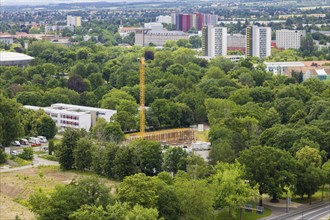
(246, 215)
(16, 187)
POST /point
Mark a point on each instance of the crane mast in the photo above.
(142, 97)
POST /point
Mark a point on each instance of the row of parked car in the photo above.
(34, 141)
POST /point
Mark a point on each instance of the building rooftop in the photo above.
(284, 64)
(79, 107)
(13, 59)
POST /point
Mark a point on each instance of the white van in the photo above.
(34, 140)
(42, 139)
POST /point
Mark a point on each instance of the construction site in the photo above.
(174, 137)
(182, 136)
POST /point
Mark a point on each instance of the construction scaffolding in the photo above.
(182, 135)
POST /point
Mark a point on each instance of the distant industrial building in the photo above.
(14, 59)
(289, 38)
(73, 21)
(145, 37)
(214, 41)
(74, 116)
(236, 42)
(258, 41)
(166, 19)
(6, 39)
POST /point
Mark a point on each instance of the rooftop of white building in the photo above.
(80, 107)
(284, 64)
(11, 56)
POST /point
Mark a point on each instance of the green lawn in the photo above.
(246, 215)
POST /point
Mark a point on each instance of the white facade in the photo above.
(289, 38)
(219, 41)
(73, 21)
(74, 116)
(214, 41)
(6, 39)
(259, 41)
(164, 19)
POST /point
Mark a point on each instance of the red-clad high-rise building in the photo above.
(200, 21)
(185, 22)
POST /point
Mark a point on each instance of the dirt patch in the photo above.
(18, 186)
(10, 209)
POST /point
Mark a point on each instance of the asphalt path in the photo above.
(318, 212)
(37, 161)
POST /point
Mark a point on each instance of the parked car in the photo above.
(16, 143)
(24, 142)
(34, 140)
(42, 139)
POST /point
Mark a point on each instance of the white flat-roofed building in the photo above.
(14, 59)
(164, 19)
(144, 37)
(96, 112)
(278, 68)
(289, 38)
(154, 26)
(74, 116)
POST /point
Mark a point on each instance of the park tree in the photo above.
(114, 97)
(104, 131)
(309, 180)
(195, 198)
(175, 159)
(10, 126)
(77, 84)
(103, 159)
(46, 127)
(82, 154)
(309, 156)
(67, 199)
(231, 190)
(139, 189)
(195, 41)
(125, 162)
(65, 150)
(150, 156)
(272, 169)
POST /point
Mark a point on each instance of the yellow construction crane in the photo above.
(142, 97)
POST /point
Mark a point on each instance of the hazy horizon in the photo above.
(46, 2)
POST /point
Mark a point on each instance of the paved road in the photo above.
(37, 161)
(314, 213)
